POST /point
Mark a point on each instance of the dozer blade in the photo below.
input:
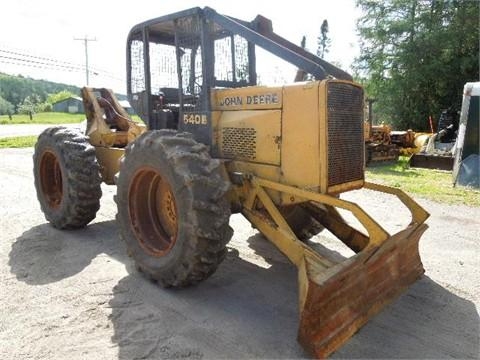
(338, 301)
(337, 298)
(432, 161)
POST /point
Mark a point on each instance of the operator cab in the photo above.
(175, 60)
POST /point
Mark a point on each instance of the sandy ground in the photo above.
(76, 295)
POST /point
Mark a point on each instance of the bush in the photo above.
(5, 107)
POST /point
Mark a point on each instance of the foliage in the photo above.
(33, 104)
(416, 56)
(436, 185)
(59, 96)
(30, 105)
(323, 41)
(5, 106)
(303, 43)
(15, 89)
(43, 118)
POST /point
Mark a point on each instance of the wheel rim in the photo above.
(153, 212)
(51, 179)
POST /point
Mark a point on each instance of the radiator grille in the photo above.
(345, 133)
(239, 143)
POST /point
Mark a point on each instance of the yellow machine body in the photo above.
(282, 134)
(109, 128)
(218, 143)
(281, 146)
(300, 145)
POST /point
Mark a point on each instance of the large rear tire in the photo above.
(172, 209)
(67, 177)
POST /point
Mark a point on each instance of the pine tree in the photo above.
(323, 41)
(415, 56)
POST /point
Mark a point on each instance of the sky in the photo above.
(42, 33)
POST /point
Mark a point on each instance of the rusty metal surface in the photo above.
(51, 179)
(153, 212)
(343, 299)
(108, 124)
(337, 297)
(380, 153)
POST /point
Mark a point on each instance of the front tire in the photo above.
(67, 177)
(172, 209)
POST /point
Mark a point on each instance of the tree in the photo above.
(415, 56)
(303, 43)
(15, 89)
(323, 41)
(302, 75)
(5, 107)
(30, 105)
(59, 96)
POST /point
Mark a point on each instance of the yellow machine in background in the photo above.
(218, 143)
(378, 144)
(409, 141)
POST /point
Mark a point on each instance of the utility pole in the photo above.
(85, 42)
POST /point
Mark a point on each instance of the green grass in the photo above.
(43, 118)
(18, 142)
(430, 184)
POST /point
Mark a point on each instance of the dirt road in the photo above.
(76, 295)
(27, 129)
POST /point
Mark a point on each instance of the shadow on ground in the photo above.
(243, 310)
(43, 254)
(426, 322)
(247, 311)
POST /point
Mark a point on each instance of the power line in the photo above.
(52, 67)
(29, 61)
(92, 69)
(29, 56)
(15, 62)
(21, 57)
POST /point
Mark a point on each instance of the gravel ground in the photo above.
(76, 295)
(27, 129)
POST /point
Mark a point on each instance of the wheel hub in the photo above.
(153, 212)
(51, 179)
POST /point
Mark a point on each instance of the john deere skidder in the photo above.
(218, 143)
